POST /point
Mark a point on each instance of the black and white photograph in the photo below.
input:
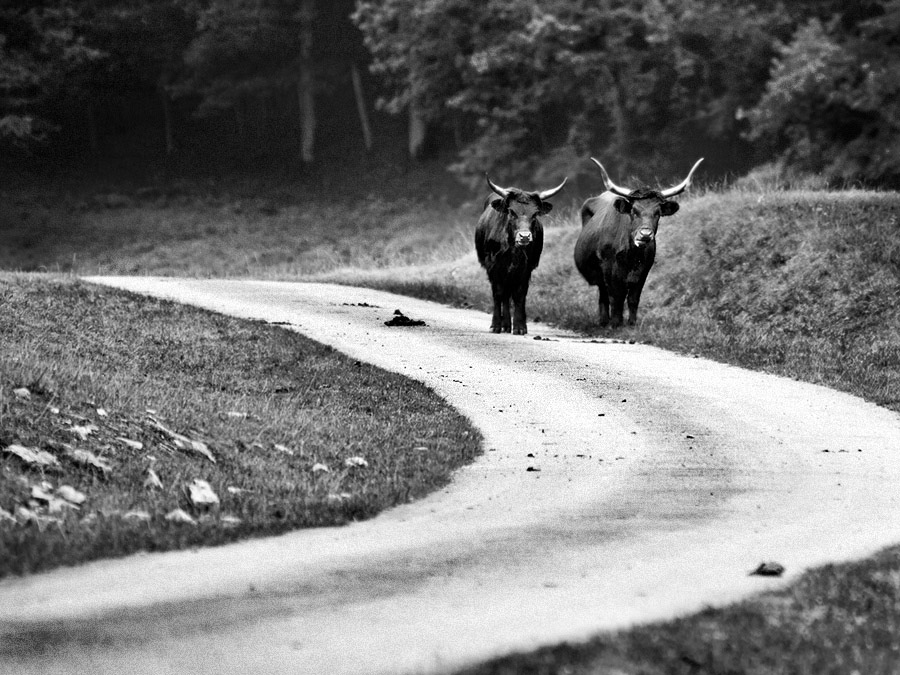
(449, 337)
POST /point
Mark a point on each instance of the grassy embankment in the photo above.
(105, 370)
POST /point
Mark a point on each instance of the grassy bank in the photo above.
(111, 386)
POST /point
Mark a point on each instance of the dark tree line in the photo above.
(520, 87)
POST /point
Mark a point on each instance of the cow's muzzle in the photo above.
(643, 238)
(523, 238)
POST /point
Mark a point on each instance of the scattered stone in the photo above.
(134, 445)
(22, 392)
(71, 495)
(768, 569)
(101, 412)
(180, 516)
(283, 448)
(32, 455)
(181, 441)
(83, 431)
(237, 490)
(533, 468)
(400, 319)
(351, 462)
(318, 466)
(143, 516)
(338, 498)
(6, 516)
(88, 459)
(230, 521)
(202, 493)
(152, 481)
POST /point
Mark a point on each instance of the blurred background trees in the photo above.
(527, 90)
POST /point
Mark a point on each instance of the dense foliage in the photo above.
(522, 88)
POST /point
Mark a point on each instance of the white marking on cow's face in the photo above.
(522, 212)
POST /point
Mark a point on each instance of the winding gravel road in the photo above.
(658, 482)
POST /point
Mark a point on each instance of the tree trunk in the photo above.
(93, 139)
(168, 120)
(417, 129)
(306, 82)
(361, 106)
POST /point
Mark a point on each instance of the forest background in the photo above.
(321, 90)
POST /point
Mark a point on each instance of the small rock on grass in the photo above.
(22, 392)
(202, 494)
(318, 466)
(355, 461)
(152, 481)
(137, 514)
(88, 459)
(70, 494)
(180, 516)
(32, 455)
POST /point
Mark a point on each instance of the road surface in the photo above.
(620, 484)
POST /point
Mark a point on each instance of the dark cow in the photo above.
(509, 239)
(617, 244)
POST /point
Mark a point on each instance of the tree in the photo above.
(538, 86)
(42, 49)
(832, 104)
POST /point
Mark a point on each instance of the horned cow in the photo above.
(509, 239)
(617, 244)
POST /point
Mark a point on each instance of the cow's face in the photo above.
(645, 215)
(522, 210)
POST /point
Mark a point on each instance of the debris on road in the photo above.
(400, 319)
(768, 569)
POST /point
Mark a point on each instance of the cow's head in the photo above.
(644, 205)
(522, 209)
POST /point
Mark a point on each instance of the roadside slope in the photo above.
(657, 482)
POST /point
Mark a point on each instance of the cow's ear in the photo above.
(545, 208)
(622, 205)
(668, 208)
(499, 205)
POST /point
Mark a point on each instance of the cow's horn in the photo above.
(612, 187)
(683, 185)
(546, 194)
(496, 188)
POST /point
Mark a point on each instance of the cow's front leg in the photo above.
(603, 304)
(634, 298)
(520, 326)
(497, 319)
(617, 305)
(507, 321)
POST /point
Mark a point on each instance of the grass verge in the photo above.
(835, 619)
(106, 371)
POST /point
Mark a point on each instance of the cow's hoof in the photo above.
(495, 329)
(519, 331)
(506, 329)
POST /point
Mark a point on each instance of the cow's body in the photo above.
(617, 244)
(509, 239)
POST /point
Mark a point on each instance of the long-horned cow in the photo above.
(617, 244)
(509, 239)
